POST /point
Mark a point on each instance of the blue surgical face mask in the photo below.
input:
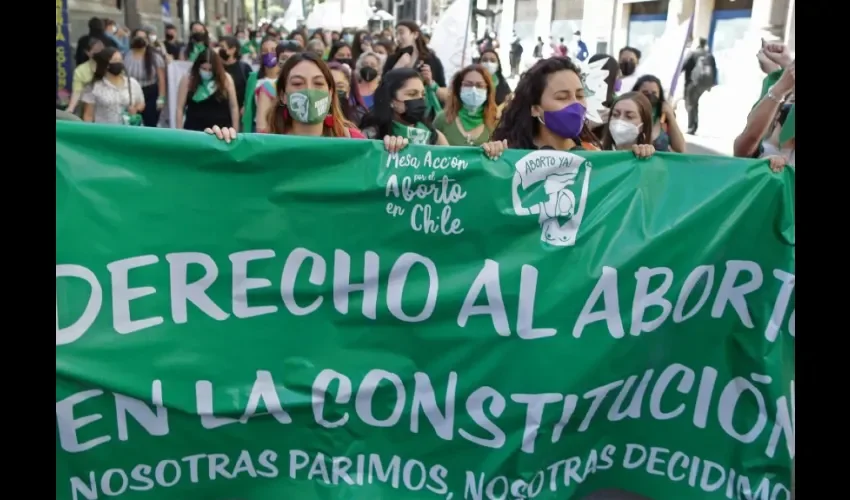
(473, 98)
(206, 75)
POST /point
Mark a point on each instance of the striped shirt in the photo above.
(136, 68)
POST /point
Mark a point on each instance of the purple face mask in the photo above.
(566, 122)
(269, 60)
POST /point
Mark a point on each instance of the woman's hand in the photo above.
(777, 163)
(494, 149)
(225, 134)
(132, 110)
(765, 63)
(643, 150)
(393, 143)
(778, 53)
(427, 76)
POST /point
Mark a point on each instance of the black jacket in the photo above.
(431, 59)
(83, 45)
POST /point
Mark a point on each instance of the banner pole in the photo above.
(466, 34)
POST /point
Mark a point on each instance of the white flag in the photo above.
(449, 36)
(294, 13)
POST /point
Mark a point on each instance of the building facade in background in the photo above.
(155, 13)
(608, 25)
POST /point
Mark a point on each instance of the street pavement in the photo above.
(707, 145)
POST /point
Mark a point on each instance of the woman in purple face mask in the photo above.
(265, 94)
(547, 110)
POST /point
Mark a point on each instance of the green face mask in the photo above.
(308, 106)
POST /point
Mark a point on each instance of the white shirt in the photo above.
(771, 150)
(111, 101)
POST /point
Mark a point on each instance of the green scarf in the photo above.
(204, 90)
(471, 119)
(432, 102)
(197, 49)
(495, 79)
(248, 124)
(418, 134)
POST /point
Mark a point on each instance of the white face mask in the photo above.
(623, 133)
(491, 67)
(472, 97)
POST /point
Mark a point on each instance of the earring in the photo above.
(329, 121)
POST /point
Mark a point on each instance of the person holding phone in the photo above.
(413, 52)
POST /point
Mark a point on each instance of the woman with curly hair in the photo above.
(547, 110)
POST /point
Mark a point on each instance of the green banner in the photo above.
(302, 318)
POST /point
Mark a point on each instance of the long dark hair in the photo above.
(517, 126)
(281, 123)
(353, 107)
(206, 31)
(502, 87)
(652, 79)
(101, 61)
(420, 43)
(613, 68)
(96, 27)
(335, 47)
(261, 73)
(150, 55)
(645, 112)
(382, 115)
(356, 43)
(219, 73)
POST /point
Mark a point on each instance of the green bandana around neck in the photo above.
(197, 49)
(432, 101)
(471, 119)
(204, 90)
(308, 106)
(418, 134)
(495, 79)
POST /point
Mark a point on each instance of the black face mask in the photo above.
(138, 43)
(368, 73)
(347, 62)
(198, 37)
(342, 96)
(414, 111)
(169, 37)
(627, 68)
(653, 99)
(115, 68)
(223, 54)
